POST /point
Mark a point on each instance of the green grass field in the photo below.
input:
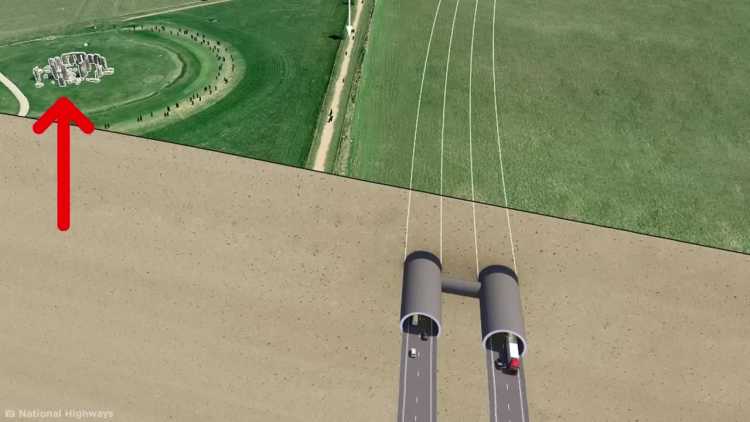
(285, 50)
(273, 112)
(22, 19)
(7, 102)
(129, 51)
(176, 67)
(626, 114)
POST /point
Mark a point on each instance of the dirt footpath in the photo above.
(198, 286)
(326, 135)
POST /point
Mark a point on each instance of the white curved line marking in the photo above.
(175, 9)
(416, 128)
(471, 149)
(499, 148)
(23, 102)
(442, 129)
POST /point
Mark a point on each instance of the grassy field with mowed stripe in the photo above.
(631, 115)
(27, 18)
(288, 50)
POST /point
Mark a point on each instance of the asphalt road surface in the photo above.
(417, 390)
(23, 102)
(507, 392)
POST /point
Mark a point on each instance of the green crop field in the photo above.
(289, 53)
(634, 115)
(8, 101)
(24, 18)
(267, 108)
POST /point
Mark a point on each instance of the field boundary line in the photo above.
(499, 148)
(442, 128)
(416, 127)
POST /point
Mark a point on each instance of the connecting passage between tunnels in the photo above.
(497, 290)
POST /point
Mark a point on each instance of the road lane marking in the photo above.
(507, 387)
(520, 396)
(442, 129)
(430, 383)
(416, 129)
(494, 386)
(406, 366)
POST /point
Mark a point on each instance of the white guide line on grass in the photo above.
(471, 150)
(176, 9)
(23, 102)
(416, 128)
(499, 148)
(442, 128)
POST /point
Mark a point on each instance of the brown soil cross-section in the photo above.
(199, 286)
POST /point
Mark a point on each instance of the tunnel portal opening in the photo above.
(498, 342)
(419, 323)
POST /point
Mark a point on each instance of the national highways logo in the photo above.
(77, 414)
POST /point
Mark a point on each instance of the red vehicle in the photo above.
(514, 358)
(510, 359)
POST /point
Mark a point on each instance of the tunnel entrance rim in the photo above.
(432, 318)
(487, 337)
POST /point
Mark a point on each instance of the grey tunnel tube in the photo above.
(421, 290)
(500, 306)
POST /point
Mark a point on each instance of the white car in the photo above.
(412, 353)
(514, 358)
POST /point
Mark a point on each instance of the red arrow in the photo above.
(63, 111)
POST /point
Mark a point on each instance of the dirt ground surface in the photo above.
(198, 286)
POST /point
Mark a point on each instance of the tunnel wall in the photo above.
(500, 305)
(421, 288)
